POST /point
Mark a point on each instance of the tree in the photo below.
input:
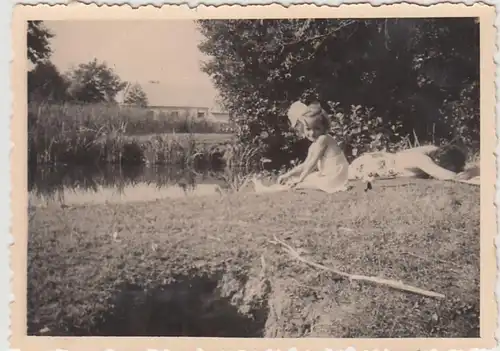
(94, 82)
(46, 83)
(382, 75)
(38, 42)
(136, 96)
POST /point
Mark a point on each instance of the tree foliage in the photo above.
(38, 42)
(136, 96)
(45, 83)
(94, 82)
(398, 77)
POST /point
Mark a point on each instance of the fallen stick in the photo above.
(427, 259)
(472, 181)
(458, 231)
(391, 283)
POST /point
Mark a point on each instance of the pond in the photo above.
(115, 184)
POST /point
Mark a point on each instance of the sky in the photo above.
(139, 51)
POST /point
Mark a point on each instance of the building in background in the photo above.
(185, 102)
(219, 116)
(180, 110)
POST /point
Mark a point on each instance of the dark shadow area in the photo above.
(51, 181)
(190, 307)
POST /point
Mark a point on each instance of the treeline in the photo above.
(89, 83)
(385, 82)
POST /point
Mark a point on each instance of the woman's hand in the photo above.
(469, 173)
(462, 176)
(283, 178)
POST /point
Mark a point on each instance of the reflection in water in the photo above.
(72, 186)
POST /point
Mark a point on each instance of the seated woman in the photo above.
(325, 168)
(444, 162)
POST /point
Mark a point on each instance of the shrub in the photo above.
(241, 162)
(359, 131)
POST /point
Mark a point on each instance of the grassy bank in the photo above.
(113, 269)
(110, 134)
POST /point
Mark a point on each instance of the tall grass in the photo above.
(76, 134)
(241, 163)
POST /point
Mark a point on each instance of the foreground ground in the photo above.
(209, 266)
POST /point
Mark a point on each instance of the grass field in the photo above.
(209, 266)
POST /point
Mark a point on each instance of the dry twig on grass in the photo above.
(458, 231)
(391, 283)
(427, 259)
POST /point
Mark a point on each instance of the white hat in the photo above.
(296, 110)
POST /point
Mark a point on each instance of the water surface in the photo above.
(115, 184)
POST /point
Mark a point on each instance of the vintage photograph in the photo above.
(254, 178)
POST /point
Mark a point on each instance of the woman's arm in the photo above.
(471, 172)
(420, 149)
(295, 170)
(427, 165)
(300, 167)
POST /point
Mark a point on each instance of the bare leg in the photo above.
(316, 181)
(261, 188)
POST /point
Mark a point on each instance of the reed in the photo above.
(241, 163)
(76, 134)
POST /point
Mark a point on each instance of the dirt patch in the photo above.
(218, 305)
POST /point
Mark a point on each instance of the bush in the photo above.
(359, 131)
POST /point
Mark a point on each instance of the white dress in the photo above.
(332, 174)
(373, 164)
(331, 177)
(382, 165)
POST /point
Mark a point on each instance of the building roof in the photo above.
(180, 107)
(167, 95)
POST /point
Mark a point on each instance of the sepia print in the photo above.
(296, 176)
